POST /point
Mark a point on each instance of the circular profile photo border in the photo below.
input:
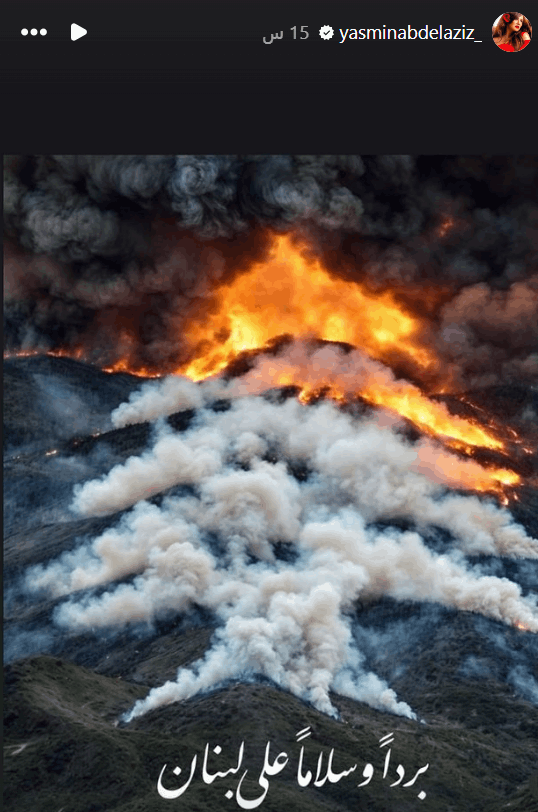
(511, 32)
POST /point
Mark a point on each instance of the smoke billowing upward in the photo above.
(115, 257)
(288, 617)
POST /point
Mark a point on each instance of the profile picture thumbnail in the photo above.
(512, 31)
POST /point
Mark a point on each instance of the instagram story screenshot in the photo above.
(270, 406)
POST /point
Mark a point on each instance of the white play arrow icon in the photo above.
(77, 31)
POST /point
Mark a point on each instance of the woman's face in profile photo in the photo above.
(511, 31)
(516, 24)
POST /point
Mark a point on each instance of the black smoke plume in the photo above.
(112, 255)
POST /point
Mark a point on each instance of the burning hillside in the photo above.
(319, 334)
(290, 294)
(277, 518)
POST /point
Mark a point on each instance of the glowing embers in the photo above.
(521, 626)
(76, 353)
(21, 353)
(446, 226)
(123, 365)
(291, 293)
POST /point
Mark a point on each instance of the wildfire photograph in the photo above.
(270, 483)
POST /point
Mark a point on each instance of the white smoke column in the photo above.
(298, 361)
(402, 567)
(288, 616)
(172, 461)
(284, 615)
(118, 552)
(173, 394)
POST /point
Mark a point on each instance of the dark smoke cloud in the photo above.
(114, 253)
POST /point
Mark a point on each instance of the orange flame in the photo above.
(291, 293)
(123, 365)
(446, 226)
(71, 352)
(429, 416)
